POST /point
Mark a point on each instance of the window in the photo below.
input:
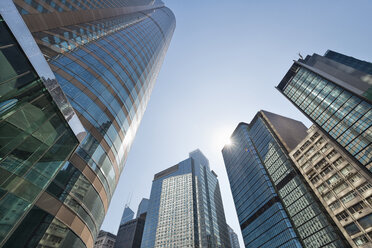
(357, 207)
(331, 154)
(366, 221)
(326, 170)
(338, 161)
(333, 179)
(335, 205)
(352, 229)
(364, 187)
(346, 170)
(316, 135)
(340, 188)
(321, 188)
(355, 178)
(325, 148)
(350, 196)
(328, 196)
(361, 240)
(342, 215)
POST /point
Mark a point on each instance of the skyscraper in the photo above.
(234, 241)
(185, 208)
(130, 233)
(143, 206)
(342, 186)
(334, 91)
(275, 206)
(101, 58)
(127, 215)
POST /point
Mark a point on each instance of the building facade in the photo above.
(275, 206)
(234, 241)
(105, 240)
(96, 63)
(142, 207)
(185, 208)
(130, 233)
(128, 215)
(334, 92)
(344, 189)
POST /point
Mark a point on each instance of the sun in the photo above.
(221, 137)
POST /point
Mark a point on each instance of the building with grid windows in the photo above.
(335, 92)
(275, 206)
(344, 189)
(76, 77)
(185, 208)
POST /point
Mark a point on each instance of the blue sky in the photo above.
(223, 63)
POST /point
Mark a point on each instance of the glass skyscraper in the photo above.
(275, 206)
(334, 92)
(128, 215)
(185, 208)
(92, 67)
(142, 207)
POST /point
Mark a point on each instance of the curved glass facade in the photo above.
(107, 70)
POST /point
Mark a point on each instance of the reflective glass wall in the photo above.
(35, 139)
(106, 57)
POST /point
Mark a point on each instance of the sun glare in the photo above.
(222, 138)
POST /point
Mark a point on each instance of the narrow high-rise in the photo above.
(185, 208)
(335, 92)
(275, 206)
(76, 77)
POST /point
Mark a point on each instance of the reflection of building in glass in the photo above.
(102, 57)
(127, 215)
(104, 240)
(185, 208)
(341, 185)
(275, 206)
(234, 241)
(35, 137)
(335, 92)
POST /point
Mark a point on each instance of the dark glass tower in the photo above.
(334, 91)
(274, 205)
(105, 56)
(185, 208)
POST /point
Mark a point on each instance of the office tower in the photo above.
(130, 233)
(275, 206)
(143, 206)
(101, 58)
(105, 240)
(234, 241)
(342, 186)
(185, 208)
(335, 92)
(127, 215)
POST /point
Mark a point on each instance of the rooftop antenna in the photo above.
(299, 54)
(129, 199)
